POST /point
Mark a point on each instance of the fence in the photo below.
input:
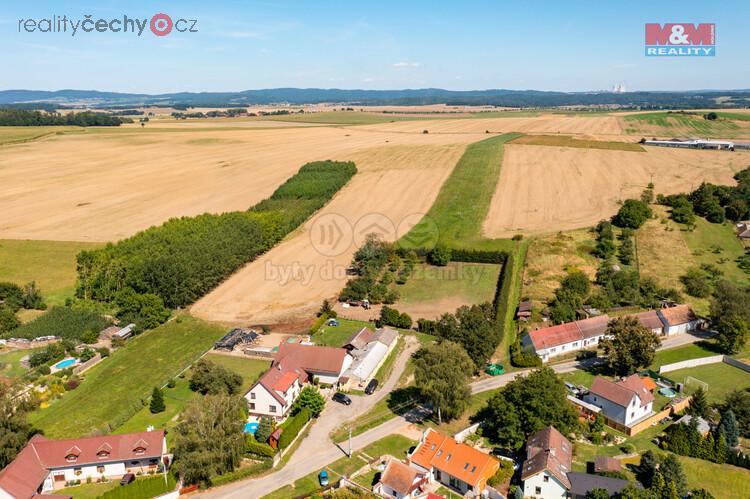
(88, 364)
(461, 435)
(715, 359)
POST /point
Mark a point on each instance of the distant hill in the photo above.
(424, 96)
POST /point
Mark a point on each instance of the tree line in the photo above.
(27, 117)
(183, 259)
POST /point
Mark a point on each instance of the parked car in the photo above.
(342, 398)
(323, 478)
(371, 386)
(572, 388)
(127, 478)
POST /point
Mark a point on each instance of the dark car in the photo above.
(342, 398)
(127, 478)
(370, 388)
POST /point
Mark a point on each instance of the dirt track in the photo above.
(546, 189)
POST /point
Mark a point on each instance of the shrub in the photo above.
(256, 448)
(440, 256)
(627, 448)
(292, 426)
(103, 351)
(72, 384)
(212, 378)
(171, 383)
(633, 213)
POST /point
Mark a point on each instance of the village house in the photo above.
(369, 349)
(548, 461)
(679, 319)
(626, 402)
(456, 465)
(294, 365)
(401, 481)
(45, 465)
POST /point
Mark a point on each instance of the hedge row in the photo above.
(143, 488)
(258, 449)
(185, 258)
(241, 473)
(292, 426)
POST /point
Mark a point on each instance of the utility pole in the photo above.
(350, 442)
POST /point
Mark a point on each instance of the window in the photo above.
(538, 491)
(100, 469)
(632, 414)
(271, 408)
(252, 406)
(546, 478)
(575, 344)
(252, 395)
(139, 451)
(77, 471)
(71, 458)
(135, 463)
(103, 454)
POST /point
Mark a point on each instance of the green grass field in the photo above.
(721, 378)
(249, 369)
(89, 490)
(464, 282)
(567, 141)
(335, 336)
(10, 365)
(114, 390)
(717, 244)
(691, 351)
(721, 480)
(458, 222)
(19, 134)
(52, 264)
(687, 123)
(395, 445)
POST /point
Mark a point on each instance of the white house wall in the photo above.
(551, 489)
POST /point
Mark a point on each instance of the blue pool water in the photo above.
(668, 392)
(251, 428)
(65, 363)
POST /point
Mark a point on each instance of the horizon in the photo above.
(331, 45)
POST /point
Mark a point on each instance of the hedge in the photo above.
(185, 258)
(254, 447)
(292, 426)
(143, 488)
(241, 473)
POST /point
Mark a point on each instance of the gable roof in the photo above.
(674, 316)
(280, 377)
(622, 392)
(312, 357)
(583, 483)
(561, 334)
(606, 463)
(594, 326)
(400, 477)
(744, 231)
(548, 450)
(457, 459)
(23, 477)
(359, 339)
(385, 335)
(650, 320)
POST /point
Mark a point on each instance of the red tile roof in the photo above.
(361, 338)
(622, 392)
(594, 326)
(569, 332)
(456, 459)
(312, 357)
(25, 474)
(650, 320)
(548, 450)
(674, 316)
(400, 477)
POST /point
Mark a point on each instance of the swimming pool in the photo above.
(65, 363)
(668, 392)
(251, 428)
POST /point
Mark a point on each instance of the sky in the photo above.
(459, 45)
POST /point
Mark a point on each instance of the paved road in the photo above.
(317, 450)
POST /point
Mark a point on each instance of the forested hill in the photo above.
(496, 97)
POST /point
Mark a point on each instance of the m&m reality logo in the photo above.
(681, 40)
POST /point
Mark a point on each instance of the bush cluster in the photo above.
(292, 426)
(68, 323)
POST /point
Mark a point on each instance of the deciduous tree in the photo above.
(632, 346)
(442, 374)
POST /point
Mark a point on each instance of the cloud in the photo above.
(404, 64)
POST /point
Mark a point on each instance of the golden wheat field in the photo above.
(545, 189)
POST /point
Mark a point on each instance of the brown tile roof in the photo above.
(555, 335)
(650, 320)
(681, 314)
(280, 377)
(594, 326)
(313, 357)
(359, 339)
(622, 392)
(548, 450)
(25, 474)
(605, 463)
(457, 459)
(400, 477)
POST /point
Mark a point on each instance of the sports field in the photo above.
(721, 378)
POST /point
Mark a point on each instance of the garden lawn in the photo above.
(721, 378)
(395, 445)
(692, 351)
(52, 264)
(721, 480)
(249, 369)
(10, 363)
(88, 490)
(116, 389)
(336, 336)
(717, 244)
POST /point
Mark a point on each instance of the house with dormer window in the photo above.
(44, 465)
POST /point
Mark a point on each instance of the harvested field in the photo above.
(105, 185)
(293, 278)
(545, 123)
(567, 141)
(546, 189)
